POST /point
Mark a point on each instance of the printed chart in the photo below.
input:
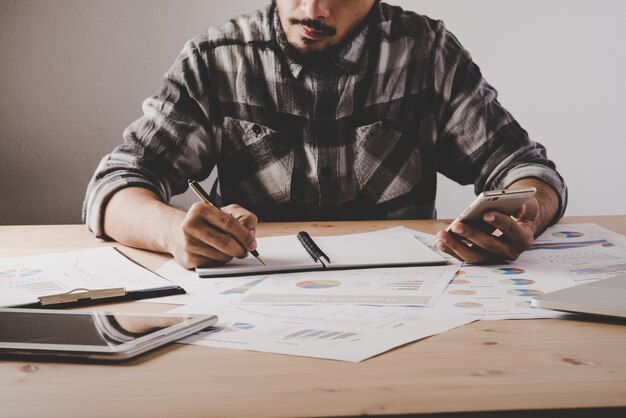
(502, 292)
(577, 236)
(352, 315)
(240, 290)
(587, 252)
(340, 332)
(318, 284)
(14, 273)
(411, 286)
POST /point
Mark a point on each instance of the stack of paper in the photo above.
(352, 315)
(346, 315)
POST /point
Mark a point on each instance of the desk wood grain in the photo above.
(519, 365)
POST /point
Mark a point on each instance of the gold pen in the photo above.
(205, 198)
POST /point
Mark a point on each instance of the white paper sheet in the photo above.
(502, 291)
(563, 256)
(347, 333)
(198, 288)
(24, 279)
(227, 289)
(587, 251)
(575, 236)
(407, 286)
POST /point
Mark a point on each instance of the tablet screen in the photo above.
(90, 328)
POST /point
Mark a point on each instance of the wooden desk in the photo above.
(522, 365)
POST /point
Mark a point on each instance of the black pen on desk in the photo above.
(205, 198)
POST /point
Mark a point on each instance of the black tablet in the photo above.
(92, 335)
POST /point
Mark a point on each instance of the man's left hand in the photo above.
(517, 235)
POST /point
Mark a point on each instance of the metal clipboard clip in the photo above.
(81, 294)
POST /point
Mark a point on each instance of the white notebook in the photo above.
(302, 252)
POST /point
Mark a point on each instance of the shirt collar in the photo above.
(347, 58)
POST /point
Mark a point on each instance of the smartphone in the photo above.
(85, 335)
(505, 201)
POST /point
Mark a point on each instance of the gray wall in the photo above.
(73, 74)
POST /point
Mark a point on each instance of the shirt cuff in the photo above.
(543, 173)
(100, 192)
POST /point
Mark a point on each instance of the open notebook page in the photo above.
(283, 253)
(286, 253)
(376, 249)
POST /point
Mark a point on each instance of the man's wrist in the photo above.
(138, 218)
(547, 202)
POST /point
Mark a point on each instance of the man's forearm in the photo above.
(136, 217)
(547, 200)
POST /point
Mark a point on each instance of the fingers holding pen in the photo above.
(196, 253)
(248, 220)
(219, 230)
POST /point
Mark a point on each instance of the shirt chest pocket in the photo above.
(387, 163)
(255, 162)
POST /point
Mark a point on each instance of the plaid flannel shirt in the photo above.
(363, 138)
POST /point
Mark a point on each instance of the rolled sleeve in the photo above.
(108, 180)
(169, 144)
(480, 142)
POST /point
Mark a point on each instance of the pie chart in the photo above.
(517, 282)
(468, 305)
(568, 234)
(509, 270)
(525, 292)
(318, 284)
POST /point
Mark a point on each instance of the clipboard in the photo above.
(78, 278)
(83, 297)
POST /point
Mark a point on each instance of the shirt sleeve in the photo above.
(479, 142)
(169, 144)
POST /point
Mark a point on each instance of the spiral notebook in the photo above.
(302, 252)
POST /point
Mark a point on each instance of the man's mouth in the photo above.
(313, 30)
(312, 34)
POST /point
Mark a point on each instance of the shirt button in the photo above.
(257, 130)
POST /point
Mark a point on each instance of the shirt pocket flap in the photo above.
(387, 163)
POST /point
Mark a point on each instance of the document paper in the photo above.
(343, 332)
(24, 279)
(408, 286)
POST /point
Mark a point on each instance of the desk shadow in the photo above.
(604, 319)
(134, 361)
(619, 412)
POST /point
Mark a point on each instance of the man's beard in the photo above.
(312, 58)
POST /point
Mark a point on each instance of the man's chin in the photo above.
(311, 54)
(307, 46)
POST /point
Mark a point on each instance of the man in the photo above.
(335, 109)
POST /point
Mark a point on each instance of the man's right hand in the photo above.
(209, 236)
(203, 236)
